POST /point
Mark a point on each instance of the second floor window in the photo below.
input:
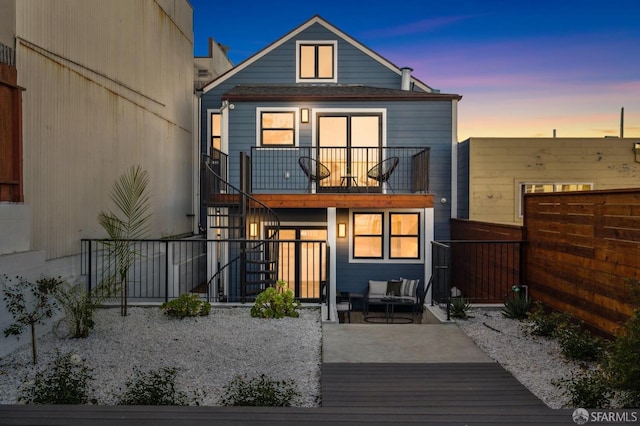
(316, 61)
(277, 128)
(216, 132)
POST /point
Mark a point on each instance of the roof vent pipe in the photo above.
(406, 78)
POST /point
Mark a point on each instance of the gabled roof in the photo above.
(314, 20)
(337, 92)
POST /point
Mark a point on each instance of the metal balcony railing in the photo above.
(352, 170)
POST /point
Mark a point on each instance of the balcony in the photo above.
(347, 170)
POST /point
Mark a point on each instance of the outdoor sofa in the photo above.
(404, 290)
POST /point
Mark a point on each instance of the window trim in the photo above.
(380, 235)
(333, 44)
(386, 234)
(404, 236)
(296, 125)
(556, 184)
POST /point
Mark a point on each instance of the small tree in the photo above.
(30, 304)
(132, 223)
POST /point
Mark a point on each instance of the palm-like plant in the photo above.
(132, 223)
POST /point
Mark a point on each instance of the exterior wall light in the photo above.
(636, 149)
(304, 115)
(342, 230)
(253, 229)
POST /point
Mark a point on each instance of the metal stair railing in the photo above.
(238, 216)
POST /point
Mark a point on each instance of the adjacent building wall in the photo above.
(206, 68)
(108, 85)
(495, 168)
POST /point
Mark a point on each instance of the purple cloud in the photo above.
(417, 27)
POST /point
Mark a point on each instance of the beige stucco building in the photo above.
(494, 173)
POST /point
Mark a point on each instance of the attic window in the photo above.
(316, 61)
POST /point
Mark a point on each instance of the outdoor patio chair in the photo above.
(315, 170)
(343, 305)
(382, 171)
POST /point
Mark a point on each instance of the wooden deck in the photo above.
(352, 394)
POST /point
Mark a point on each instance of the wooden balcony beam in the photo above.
(312, 201)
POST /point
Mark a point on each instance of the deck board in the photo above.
(352, 394)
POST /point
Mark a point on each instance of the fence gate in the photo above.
(440, 271)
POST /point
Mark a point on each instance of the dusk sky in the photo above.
(523, 69)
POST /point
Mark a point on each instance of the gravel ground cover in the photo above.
(534, 361)
(207, 351)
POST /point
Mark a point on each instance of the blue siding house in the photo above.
(323, 163)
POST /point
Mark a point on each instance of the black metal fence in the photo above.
(161, 270)
(481, 271)
(277, 170)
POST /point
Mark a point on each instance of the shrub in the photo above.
(546, 324)
(579, 344)
(64, 381)
(155, 387)
(459, 307)
(187, 305)
(260, 391)
(275, 303)
(79, 306)
(623, 361)
(588, 390)
(518, 306)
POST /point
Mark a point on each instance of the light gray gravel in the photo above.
(534, 361)
(210, 351)
(207, 351)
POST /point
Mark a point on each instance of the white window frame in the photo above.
(314, 120)
(386, 236)
(555, 184)
(335, 61)
(296, 126)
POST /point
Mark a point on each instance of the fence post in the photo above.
(166, 271)
(89, 270)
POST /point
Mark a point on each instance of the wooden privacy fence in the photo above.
(581, 249)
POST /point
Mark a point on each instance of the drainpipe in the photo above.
(406, 78)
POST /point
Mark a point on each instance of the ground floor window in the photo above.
(386, 235)
(367, 235)
(404, 237)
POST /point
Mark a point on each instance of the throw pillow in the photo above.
(409, 287)
(377, 288)
(394, 287)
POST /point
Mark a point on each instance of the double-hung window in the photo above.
(404, 236)
(316, 61)
(368, 235)
(277, 128)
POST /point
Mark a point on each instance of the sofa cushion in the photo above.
(409, 287)
(394, 287)
(377, 288)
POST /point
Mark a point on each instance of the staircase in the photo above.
(246, 230)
